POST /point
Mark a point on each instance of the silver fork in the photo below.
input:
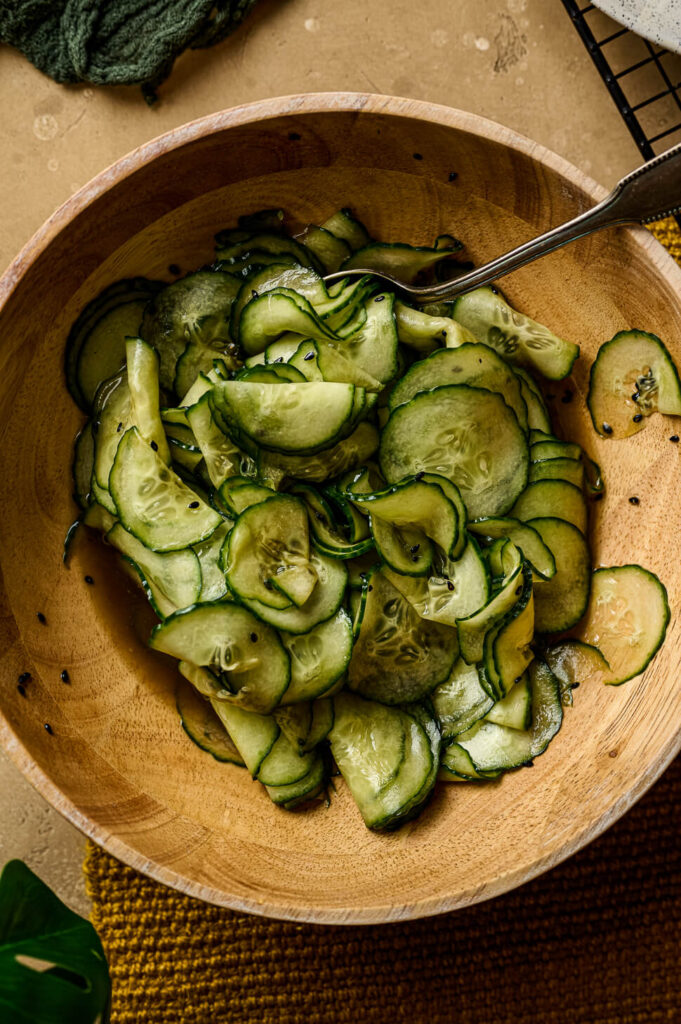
(649, 193)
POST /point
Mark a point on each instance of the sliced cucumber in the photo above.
(569, 470)
(560, 602)
(213, 581)
(525, 538)
(473, 628)
(494, 747)
(627, 619)
(516, 337)
(456, 766)
(573, 663)
(633, 376)
(204, 727)
(319, 658)
(222, 457)
(398, 657)
(457, 590)
(472, 364)
(373, 346)
(537, 413)
(386, 756)
(153, 503)
(267, 556)
(460, 701)
(324, 602)
(142, 365)
(468, 435)
(425, 332)
(352, 451)
(330, 250)
(230, 639)
(83, 464)
(343, 225)
(515, 709)
(253, 735)
(174, 578)
(405, 262)
(552, 499)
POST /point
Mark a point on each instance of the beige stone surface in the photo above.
(519, 62)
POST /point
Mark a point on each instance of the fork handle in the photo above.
(648, 193)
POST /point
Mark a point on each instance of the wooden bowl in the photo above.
(117, 763)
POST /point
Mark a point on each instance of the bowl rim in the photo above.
(111, 176)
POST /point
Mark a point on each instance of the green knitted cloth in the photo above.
(115, 42)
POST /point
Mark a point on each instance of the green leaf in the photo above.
(71, 982)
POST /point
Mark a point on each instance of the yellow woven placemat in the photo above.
(595, 941)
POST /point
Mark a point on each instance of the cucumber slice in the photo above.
(267, 554)
(308, 788)
(268, 316)
(468, 435)
(222, 457)
(373, 347)
(345, 226)
(335, 365)
(98, 518)
(204, 727)
(174, 578)
(324, 602)
(153, 503)
(525, 538)
(291, 276)
(553, 449)
(229, 638)
(213, 581)
(330, 250)
(472, 364)
(494, 747)
(516, 337)
(284, 764)
(288, 418)
(347, 454)
(569, 470)
(326, 534)
(456, 590)
(633, 376)
(405, 262)
(515, 709)
(560, 602)
(398, 656)
(195, 309)
(229, 247)
(405, 551)
(456, 766)
(422, 505)
(271, 374)
(95, 349)
(506, 648)
(322, 723)
(473, 628)
(238, 493)
(627, 619)
(112, 417)
(319, 658)
(142, 366)
(552, 499)
(573, 662)
(537, 413)
(386, 756)
(460, 701)
(253, 735)
(425, 332)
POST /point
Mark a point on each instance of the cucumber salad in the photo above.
(353, 518)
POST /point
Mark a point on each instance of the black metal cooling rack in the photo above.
(643, 79)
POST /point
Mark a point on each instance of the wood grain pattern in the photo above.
(118, 764)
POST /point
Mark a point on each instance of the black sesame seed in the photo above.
(414, 548)
(193, 504)
(598, 497)
(268, 585)
(453, 175)
(308, 356)
(293, 136)
(567, 397)
(450, 585)
(417, 156)
(607, 429)
(25, 677)
(674, 438)
(254, 638)
(119, 428)
(494, 290)
(48, 728)
(638, 417)
(279, 360)
(529, 764)
(21, 689)
(41, 619)
(574, 686)
(517, 679)
(174, 269)
(636, 395)
(320, 517)
(254, 294)
(154, 446)
(379, 298)
(634, 501)
(444, 334)
(65, 676)
(420, 476)
(370, 588)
